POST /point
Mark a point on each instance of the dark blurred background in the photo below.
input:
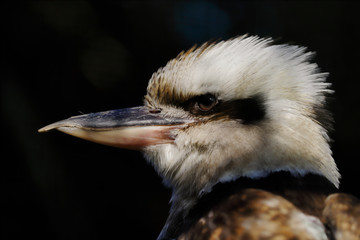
(60, 59)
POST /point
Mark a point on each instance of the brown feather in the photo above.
(230, 213)
(342, 216)
(253, 214)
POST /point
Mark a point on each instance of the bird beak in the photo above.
(131, 128)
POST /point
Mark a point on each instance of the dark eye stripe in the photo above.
(248, 111)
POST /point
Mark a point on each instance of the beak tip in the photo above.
(41, 130)
(52, 126)
(46, 128)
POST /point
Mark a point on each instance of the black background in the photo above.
(60, 59)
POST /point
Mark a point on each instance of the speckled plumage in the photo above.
(255, 214)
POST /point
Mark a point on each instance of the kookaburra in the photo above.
(238, 130)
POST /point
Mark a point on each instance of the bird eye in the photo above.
(206, 102)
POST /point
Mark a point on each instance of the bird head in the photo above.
(239, 108)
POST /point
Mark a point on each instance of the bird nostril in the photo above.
(155, 110)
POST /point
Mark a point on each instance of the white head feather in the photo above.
(290, 137)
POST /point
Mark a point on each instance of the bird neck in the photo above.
(296, 189)
(307, 193)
